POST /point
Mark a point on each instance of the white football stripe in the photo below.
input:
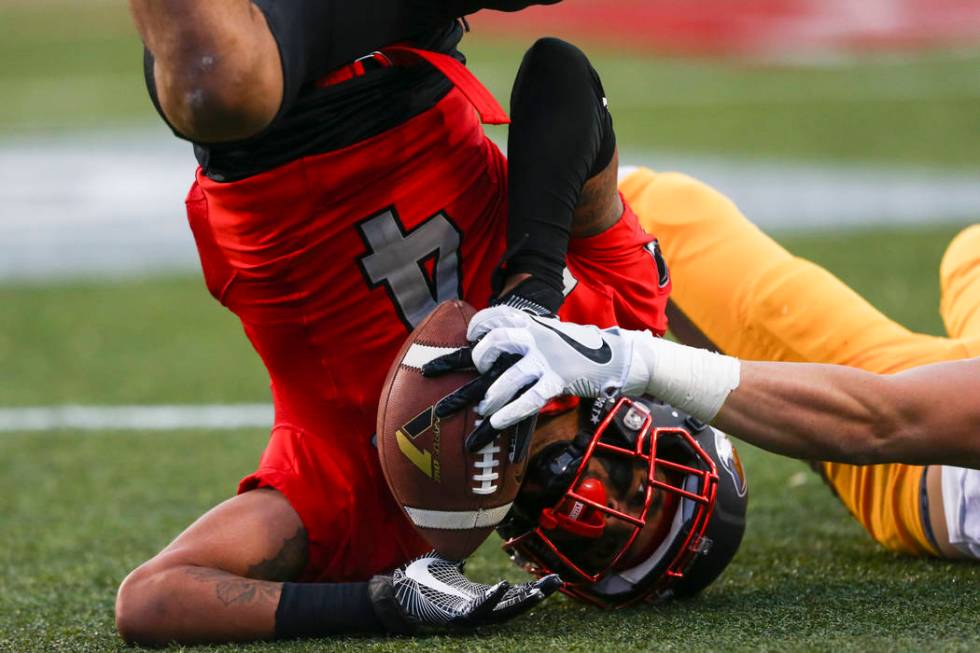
(458, 520)
(418, 355)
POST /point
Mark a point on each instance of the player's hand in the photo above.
(472, 393)
(432, 591)
(552, 358)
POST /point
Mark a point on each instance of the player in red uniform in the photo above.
(345, 188)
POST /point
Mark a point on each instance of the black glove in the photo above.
(432, 591)
(530, 295)
(472, 393)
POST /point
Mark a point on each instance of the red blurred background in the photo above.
(764, 28)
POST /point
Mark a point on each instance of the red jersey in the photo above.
(331, 259)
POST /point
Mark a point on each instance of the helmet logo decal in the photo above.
(427, 461)
(730, 461)
(636, 416)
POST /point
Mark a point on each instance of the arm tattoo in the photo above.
(235, 590)
(285, 565)
(260, 581)
(598, 206)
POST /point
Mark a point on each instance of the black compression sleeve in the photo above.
(561, 134)
(318, 36)
(319, 609)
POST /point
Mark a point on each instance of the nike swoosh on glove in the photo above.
(432, 591)
(552, 358)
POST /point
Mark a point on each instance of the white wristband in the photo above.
(696, 381)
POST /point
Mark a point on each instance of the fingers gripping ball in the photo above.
(454, 498)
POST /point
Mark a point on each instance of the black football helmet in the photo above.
(645, 503)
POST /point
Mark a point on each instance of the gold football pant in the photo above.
(755, 300)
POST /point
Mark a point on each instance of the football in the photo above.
(453, 497)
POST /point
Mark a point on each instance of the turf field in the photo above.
(79, 509)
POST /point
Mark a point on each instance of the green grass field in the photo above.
(80, 509)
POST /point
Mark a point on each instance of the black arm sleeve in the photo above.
(561, 134)
(320, 609)
(318, 36)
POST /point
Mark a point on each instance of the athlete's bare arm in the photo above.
(841, 414)
(216, 64)
(218, 68)
(600, 206)
(927, 415)
(220, 580)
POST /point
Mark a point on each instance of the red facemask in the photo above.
(600, 521)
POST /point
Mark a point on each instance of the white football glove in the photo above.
(526, 360)
(555, 358)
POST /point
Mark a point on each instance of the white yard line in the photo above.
(135, 418)
(112, 204)
(881, 90)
